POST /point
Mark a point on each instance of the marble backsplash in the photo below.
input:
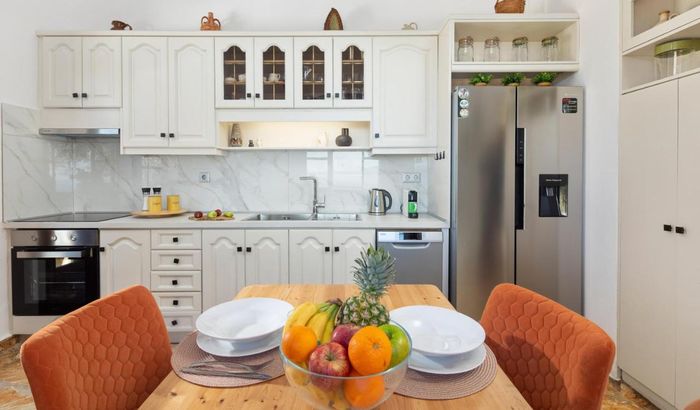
(44, 175)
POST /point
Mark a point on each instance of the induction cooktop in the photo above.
(77, 217)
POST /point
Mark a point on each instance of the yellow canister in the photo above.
(173, 202)
(155, 203)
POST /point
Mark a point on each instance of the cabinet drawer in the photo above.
(165, 281)
(178, 301)
(180, 321)
(176, 239)
(176, 260)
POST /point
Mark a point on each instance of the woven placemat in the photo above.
(187, 352)
(445, 387)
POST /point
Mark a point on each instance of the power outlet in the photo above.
(204, 177)
(410, 177)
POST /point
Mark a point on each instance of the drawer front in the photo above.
(164, 281)
(176, 260)
(178, 301)
(176, 239)
(180, 321)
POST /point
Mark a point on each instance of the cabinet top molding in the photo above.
(146, 33)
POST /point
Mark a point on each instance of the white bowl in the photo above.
(244, 320)
(438, 331)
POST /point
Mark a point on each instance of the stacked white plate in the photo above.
(444, 341)
(242, 327)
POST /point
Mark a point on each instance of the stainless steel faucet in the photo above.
(316, 204)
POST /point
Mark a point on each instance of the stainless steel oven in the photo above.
(54, 271)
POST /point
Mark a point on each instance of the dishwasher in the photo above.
(419, 256)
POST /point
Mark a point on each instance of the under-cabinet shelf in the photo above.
(515, 67)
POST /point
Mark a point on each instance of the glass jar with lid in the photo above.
(492, 49)
(520, 49)
(465, 52)
(675, 57)
(550, 49)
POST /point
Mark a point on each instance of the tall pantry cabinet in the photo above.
(659, 330)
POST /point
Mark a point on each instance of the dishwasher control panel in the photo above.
(409, 236)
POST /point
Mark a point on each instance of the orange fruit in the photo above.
(298, 342)
(369, 350)
(364, 393)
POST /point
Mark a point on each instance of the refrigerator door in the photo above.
(481, 233)
(549, 246)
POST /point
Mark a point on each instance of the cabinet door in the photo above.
(102, 72)
(273, 67)
(310, 257)
(191, 92)
(267, 257)
(223, 265)
(352, 72)
(648, 150)
(61, 71)
(347, 246)
(313, 74)
(234, 72)
(688, 288)
(405, 92)
(145, 105)
(125, 260)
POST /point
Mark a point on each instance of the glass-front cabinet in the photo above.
(234, 72)
(274, 69)
(352, 67)
(313, 77)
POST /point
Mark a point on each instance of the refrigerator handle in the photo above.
(519, 178)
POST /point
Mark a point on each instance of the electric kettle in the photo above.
(379, 201)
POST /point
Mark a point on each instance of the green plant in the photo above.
(513, 78)
(481, 79)
(544, 77)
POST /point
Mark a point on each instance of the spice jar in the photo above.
(675, 57)
(492, 49)
(465, 52)
(550, 49)
(520, 49)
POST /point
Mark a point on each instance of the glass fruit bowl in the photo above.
(350, 392)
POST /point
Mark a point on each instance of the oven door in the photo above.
(53, 281)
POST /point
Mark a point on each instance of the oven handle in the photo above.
(50, 254)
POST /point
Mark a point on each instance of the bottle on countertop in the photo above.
(146, 192)
(410, 203)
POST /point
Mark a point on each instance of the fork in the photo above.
(225, 373)
(249, 367)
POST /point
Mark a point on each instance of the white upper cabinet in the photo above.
(145, 111)
(352, 72)
(191, 92)
(62, 75)
(405, 92)
(267, 256)
(274, 72)
(102, 72)
(234, 72)
(313, 74)
(310, 256)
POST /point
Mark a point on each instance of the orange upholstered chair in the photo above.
(556, 358)
(109, 354)
(693, 406)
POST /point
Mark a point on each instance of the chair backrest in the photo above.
(109, 354)
(556, 358)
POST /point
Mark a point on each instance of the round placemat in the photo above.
(445, 387)
(187, 352)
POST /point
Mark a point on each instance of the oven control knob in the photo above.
(53, 238)
(34, 238)
(74, 237)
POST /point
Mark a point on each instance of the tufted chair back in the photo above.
(109, 354)
(556, 358)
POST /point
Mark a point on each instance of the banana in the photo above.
(330, 325)
(318, 323)
(301, 314)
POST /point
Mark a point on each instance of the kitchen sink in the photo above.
(304, 217)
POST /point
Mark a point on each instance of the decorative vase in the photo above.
(333, 21)
(209, 23)
(344, 139)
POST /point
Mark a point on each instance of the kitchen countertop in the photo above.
(389, 221)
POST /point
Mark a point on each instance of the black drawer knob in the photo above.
(174, 323)
(257, 95)
(337, 95)
(176, 239)
(162, 135)
(75, 95)
(176, 302)
(337, 249)
(328, 95)
(175, 282)
(680, 230)
(171, 135)
(84, 95)
(328, 248)
(176, 261)
(376, 135)
(248, 95)
(249, 249)
(668, 228)
(239, 249)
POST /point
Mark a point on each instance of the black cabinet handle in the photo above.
(176, 302)
(84, 95)
(248, 95)
(249, 249)
(337, 95)
(174, 323)
(337, 249)
(376, 135)
(75, 95)
(171, 135)
(328, 95)
(176, 261)
(174, 282)
(668, 228)
(176, 239)
(102, 249)
(257, 95)
(680, 230)
(239, 249)
(328, 248)
(162, 135)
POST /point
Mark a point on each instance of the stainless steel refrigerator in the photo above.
(517, 187)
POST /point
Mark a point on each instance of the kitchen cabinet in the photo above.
(267, 256)
(125, 259)
(352, 72)
(313, 72)
(81, 72)
(404, 111)
(168, 93)
(223, 265)
(274, 72)
(235, 72)
(347, 246)
(311, 256)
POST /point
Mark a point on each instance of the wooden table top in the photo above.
(175, 393)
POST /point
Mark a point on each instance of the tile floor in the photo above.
(15, 393)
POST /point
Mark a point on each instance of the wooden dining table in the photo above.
(175, 393)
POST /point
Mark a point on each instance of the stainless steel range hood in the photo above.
(80, 132)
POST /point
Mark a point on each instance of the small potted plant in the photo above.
(544, 79)
(481, 79)
(513, 79)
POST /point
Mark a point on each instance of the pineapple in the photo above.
(373, 274)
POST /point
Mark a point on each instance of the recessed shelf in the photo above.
(515, 67)
(351, 148)
(313, 82)
(266, 82)
(353, 61)
(661, 81)
(642, 43)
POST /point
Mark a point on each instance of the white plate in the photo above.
(438, 331)
(244, 320)
(223, 348)
(447, 365)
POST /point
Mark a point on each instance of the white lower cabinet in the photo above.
(125, 259)
(347, 246)
(223, 265)
(267, 256)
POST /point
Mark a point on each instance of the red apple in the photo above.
(330, 359)
(198, 215)
(343, 333)
(218, 212)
